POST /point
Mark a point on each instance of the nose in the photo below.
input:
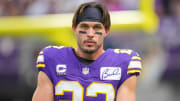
(91, 32)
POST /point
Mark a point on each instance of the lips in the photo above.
(89, 43)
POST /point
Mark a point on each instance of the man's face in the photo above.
(90, 36)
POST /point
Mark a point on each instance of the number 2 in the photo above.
(92, 90)
(127, 51)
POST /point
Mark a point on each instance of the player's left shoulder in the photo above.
(128, 53)
(129, 56)
(123, 51)
(128, 59)
(135, 64)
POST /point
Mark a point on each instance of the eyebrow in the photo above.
(97, 25)
(84, 24)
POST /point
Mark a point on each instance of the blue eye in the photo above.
(84, 26)
(97, 27)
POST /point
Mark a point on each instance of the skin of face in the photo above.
(90, 36)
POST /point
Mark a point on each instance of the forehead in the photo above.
(90, 23)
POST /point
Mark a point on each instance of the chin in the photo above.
(89, 50)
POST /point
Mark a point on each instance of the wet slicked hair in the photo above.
(105, 13)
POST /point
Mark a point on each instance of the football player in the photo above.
(88, 73)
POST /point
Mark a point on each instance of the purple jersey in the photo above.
(98, 81)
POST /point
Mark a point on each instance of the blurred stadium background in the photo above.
(149, 27)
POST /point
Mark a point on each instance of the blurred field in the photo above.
(149, 27)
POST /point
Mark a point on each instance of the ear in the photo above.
(107, 31)
(74, 28)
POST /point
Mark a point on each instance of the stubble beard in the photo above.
(89, 51)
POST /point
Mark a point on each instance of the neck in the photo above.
(92, 56)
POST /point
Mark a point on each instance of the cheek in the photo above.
(80, 38)
(100, 39)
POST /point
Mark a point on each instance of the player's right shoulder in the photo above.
(52, 49)
(49, 48)
(48, 53)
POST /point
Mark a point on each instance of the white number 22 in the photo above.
(78, 91)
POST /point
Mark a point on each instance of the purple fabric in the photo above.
(54, 57)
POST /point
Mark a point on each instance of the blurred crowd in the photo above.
(160, 51)
(169, 35)
(39, 7)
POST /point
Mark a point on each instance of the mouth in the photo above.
(89, 43)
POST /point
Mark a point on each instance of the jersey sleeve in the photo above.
(135, 65)
(42, 64)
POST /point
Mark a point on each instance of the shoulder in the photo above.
(129, 57)
(50, 53)
(125, 53)
(54, 49)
